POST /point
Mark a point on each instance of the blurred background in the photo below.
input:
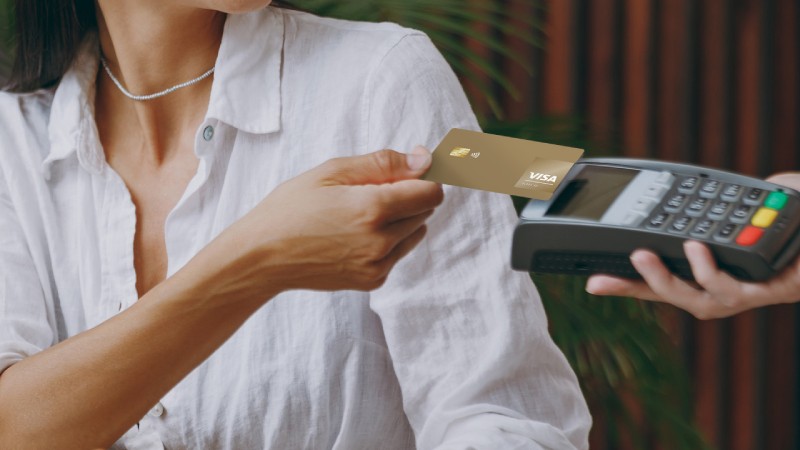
(715, 82)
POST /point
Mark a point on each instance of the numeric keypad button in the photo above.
(718, 211)
(681, 225)
(741, 213)
(703, 228)
(697, 207)
(675, 203)
(753, 196)
(709, 188)
(658, 221)
(731, 192)
(727, 232)
(688, 185)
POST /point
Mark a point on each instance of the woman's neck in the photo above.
(151, 45)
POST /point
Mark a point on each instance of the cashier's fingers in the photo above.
(784, 288)
(717, 283)
(621, 287)
(738, 295)
(722, 295)
(671, 289)
(658, 285)
(716, 295)
(688, 298)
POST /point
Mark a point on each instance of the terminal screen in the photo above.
(591, 192)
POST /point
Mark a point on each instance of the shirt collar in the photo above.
(72, 110)
(245, 93)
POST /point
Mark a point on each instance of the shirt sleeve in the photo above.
(25, 325)
(467, 335)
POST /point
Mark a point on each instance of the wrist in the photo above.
(229, 272)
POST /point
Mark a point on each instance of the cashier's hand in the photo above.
(715, 293)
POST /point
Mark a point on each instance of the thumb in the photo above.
(384, 166)
(788, 179)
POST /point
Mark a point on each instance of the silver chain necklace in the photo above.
(142, 98)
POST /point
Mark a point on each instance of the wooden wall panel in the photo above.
(638, 77)
(747, 72)
(602, 65)
(558, 93)
(786, 119)
(743, 382)
(717, 73)
(671, 67)
(780, 406)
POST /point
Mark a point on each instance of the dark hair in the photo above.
(47, 35)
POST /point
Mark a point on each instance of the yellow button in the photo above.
(764, 217)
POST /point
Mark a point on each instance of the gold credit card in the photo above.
(501, 164)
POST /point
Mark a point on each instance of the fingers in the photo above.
(402, 229)
(404, 247)
(408, 233)
(409, 198)
(659, 285)
(656, 274)
(720, 295)
(722, 287)
(735, 294)
(608, 285)
(784, 288)
(384, 166)
(788, 179)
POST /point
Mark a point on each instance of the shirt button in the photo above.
(208, 133)
(156, 411)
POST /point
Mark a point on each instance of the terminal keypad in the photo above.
(706, 208)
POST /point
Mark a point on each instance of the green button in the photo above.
(776, 200)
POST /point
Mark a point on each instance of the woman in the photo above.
(182, 268)
(716, 294)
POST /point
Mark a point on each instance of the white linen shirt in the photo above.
(452, 352)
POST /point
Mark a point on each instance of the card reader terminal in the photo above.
(607, 207)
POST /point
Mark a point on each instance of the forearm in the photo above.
(88, 390)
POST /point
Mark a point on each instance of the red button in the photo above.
(750, 235)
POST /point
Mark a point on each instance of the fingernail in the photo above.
(418, 159)
(636, 256)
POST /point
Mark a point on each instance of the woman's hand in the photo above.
(341, 225)
(716, 294)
